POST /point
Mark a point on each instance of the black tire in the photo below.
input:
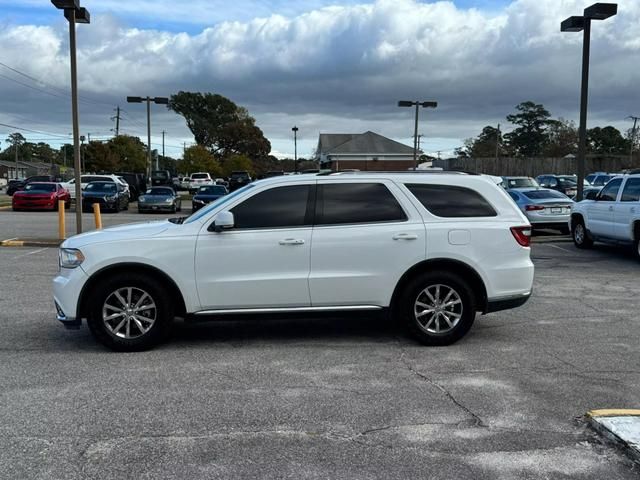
(67, 205)
(179, 207)
(163, 313)
(116, 207)
(406, 308)
(174, 209)
(580, 235)
(55, 206)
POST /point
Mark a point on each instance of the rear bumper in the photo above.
(507, 303)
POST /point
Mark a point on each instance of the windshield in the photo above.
(101, 187)
(197, 176)
(521, 182)
(40, 187)
(212, 190)
(162, 175)
(541, 194)
(602, 180)
(216, 203)
(159, 191)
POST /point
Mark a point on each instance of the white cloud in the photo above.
(344, 67)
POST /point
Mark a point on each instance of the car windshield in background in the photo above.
(239, 175)
(160, 175)
(567, 181)
(39, 187)
(199, 176)
(101, 187)
(216, 203)
(212, 190)
(542, 194)
(521, 182)
(159, 191)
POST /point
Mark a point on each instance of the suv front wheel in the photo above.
(438, 308)
(580, 235)
(130, 312)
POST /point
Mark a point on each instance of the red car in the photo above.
(40, 196)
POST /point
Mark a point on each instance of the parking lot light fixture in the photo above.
(597, 11)
(409, 103)
(74, 13)
(159, 101)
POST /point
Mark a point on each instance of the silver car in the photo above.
(545, 208)
(160, 199)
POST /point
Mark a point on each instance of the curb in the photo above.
(6, 207)
(16, 242)
(620, 427)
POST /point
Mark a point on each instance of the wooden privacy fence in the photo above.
(534, 166)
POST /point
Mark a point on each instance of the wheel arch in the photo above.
(130, 267)
(449, 265)
(636, 229)
(578, 217)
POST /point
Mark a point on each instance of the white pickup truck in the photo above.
(612, 215)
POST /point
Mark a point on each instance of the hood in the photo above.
(207, 198)
(121, 232)
(98, 194)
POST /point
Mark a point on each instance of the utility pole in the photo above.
(497, 140)
(408, 103)
(163, 132)
(419, 137)
(117, 119)
(633, 136)
(148, 100)
(15, 147)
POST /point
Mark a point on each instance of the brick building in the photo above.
(362, 151)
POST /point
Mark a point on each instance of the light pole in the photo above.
(409, 103)
(597, 11)
(295, 148)
(74, 14)
(159, 101)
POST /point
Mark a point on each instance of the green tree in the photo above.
(101, 157)
(528, 139)
(44, 153)
(131, 153)
(485, 144)
(562, 138)
(14, 139)
(220, 125)
(237, 163)
(198, 159)
(607, 140)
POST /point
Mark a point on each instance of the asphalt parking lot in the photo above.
(347, 397)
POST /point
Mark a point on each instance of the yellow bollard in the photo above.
(62, 231)
(96, 214)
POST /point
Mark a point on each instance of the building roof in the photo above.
(367, 142)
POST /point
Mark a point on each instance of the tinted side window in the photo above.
(274, 208)
(452, 201)
(357, 203)
(514, 196)
(610, 192)
(631, 192)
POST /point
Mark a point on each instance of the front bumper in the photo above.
(156, 207)
(34, 204)
(67, 287)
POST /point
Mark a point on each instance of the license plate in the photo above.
(556, 210)
(153, 207)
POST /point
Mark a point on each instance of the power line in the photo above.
(34, 131)
(30, 86)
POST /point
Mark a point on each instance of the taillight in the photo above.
(530, 208)
(522, 235)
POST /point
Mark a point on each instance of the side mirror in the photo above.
(224, 221)
(591, 195)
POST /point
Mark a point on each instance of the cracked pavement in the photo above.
(348, 397)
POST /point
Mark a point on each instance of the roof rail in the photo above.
(430, 172)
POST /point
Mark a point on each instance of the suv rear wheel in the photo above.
(438, 308)
(580, 236)
(130, 312)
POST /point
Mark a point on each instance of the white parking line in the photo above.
(30, 253)
(560, 248)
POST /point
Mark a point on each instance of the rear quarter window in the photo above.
(451, 201)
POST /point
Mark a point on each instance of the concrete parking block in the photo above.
(31, 242)
(621, 426)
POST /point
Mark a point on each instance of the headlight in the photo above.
(141, 198)
(111, 198)
(198, 201)
(70, 257)
(169, 200)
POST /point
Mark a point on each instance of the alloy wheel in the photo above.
(438, 309)
(578, 233)
(129, 312)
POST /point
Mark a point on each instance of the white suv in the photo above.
(434, 249)
(198, 180)
(611, 215)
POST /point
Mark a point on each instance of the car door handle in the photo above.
(291, 241)
(405, 236)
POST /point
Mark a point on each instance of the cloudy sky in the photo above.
(323, 65)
